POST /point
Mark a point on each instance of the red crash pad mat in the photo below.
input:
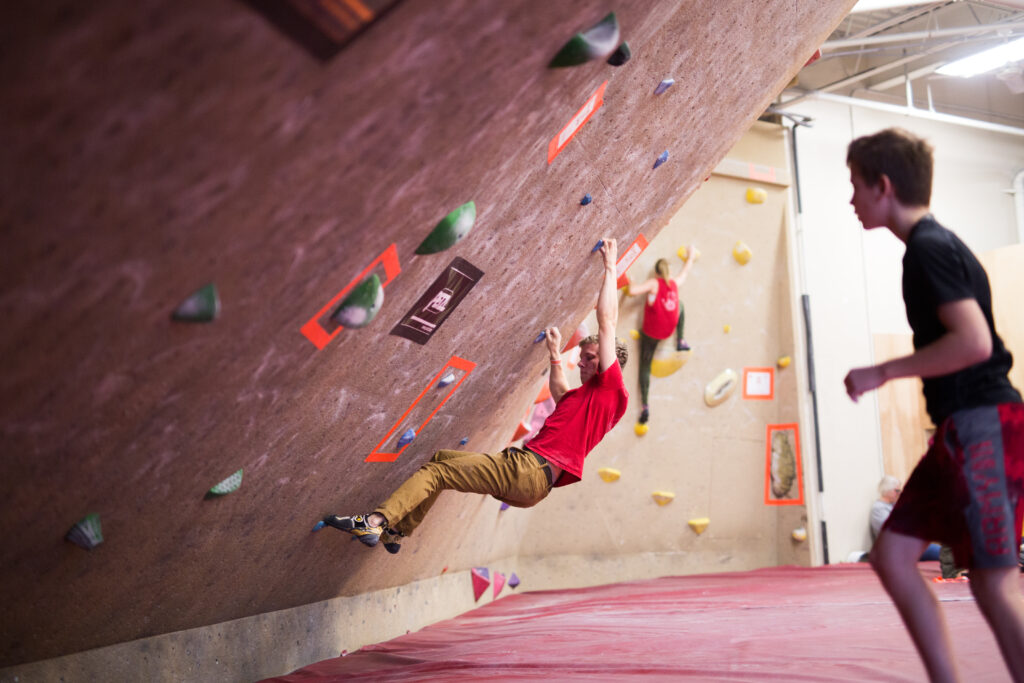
(830, 623)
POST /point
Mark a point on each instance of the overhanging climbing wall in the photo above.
(154, 147)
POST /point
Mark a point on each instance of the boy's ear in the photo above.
(885, 184)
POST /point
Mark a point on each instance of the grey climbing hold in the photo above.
(540, 337)
(201, 306)
(600, 243)
(664, 85)
(362, 304)
(448, 378)
(621, 55)
(586, 199)
(87, 532)
(596, 42)
(662, 158)
(450, 230)
(407, 438)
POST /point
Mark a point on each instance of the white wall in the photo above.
(853, 279)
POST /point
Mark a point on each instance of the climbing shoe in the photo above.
(358, 527)
(645, 415)
(682, 346)
(392, 540)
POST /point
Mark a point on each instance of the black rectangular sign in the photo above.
(440, 299)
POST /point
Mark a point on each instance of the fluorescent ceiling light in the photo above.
(988, 60)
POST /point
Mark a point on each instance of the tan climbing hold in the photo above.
(609, 474)
(756, 195)
(699, 524)
(640, 429)
(741, 252)
(663, 497)
(783, 362)
(721, 387)
(800, 534)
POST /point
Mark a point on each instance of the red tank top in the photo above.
(661, 311)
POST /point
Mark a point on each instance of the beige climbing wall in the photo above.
(712, 458)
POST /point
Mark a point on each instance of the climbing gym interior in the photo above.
(261, 259)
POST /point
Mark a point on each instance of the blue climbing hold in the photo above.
(586, 199)
(504, 506)
(446, 380)
(463, 441)
(319, 525)
(662, 158)
(407, 438)
(540, 337)
(600, 243)
(664, 85)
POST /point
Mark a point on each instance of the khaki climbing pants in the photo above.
(513, 476)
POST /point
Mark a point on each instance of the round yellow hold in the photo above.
(682, 252)
(640, 429)
(634, 334)
(663, 497)
(609, 474)
(741, 252)
(756, 195)
(727, 328)
(784, 362)
(800, 534)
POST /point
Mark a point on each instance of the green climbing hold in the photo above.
(87, 532)
(202, 306)
(229, 485)
(450, 230)
(362, 304)
(596, 42)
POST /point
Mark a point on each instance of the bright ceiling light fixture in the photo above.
(987, 60)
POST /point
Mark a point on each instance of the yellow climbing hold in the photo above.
(699, 524)
(727, 328)
(800, 534)
(756, 195)
(663, 497)
(634, 334)
(665, 365)
(640, 429)
(783, 362)
(741, 253)
(721, 387)
(682, 252)
(609, 474)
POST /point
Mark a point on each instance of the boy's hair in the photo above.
(620, 348)
(905, 158)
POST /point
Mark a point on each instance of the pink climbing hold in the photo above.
(499, 582)
(481, 580)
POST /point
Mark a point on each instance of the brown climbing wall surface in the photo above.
(152, 147)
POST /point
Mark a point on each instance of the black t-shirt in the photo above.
(938, 269)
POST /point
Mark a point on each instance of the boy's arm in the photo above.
(557, 382)
(607, 307)
(967, 341)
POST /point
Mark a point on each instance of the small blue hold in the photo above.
(662, 158)
(600, 243)
(540, 337)
(664, 85)
(464, 441)
(407, 438)
(586, 199)
(319, 525)
(504, 506)
(446, 380)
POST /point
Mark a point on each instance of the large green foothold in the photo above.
(362, 305)
(229, 485)
(202, 307)
(449, 230)
(595, 43)
(87, 532)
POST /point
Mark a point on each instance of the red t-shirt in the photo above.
(581, 419)
(661, 311)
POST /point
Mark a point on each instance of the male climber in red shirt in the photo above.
(521, 477)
